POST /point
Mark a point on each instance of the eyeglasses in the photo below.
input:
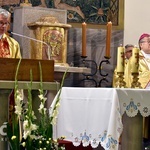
(146, 42)
(129, 51)
(4, 23)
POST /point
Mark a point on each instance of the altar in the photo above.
(93, 116)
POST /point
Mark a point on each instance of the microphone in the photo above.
(24, 36)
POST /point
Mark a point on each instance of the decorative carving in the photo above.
(120, 80)
(135, 83)
(48, 19)
(55, 39)
(54, 34)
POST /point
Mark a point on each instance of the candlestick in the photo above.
(84, 39)
(135, 60)
(120, 59)
(108, 39)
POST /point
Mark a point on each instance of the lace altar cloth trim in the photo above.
(133, 101)
(106, 141)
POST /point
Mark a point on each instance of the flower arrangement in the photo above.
(25, 132)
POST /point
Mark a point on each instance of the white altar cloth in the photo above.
(89, 116)
(133, 101)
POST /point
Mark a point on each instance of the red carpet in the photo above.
(69, 146)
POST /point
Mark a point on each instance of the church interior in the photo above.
(77, 53)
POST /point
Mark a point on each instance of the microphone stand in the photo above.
(49, 50)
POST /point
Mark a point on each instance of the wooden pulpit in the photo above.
(8, 68)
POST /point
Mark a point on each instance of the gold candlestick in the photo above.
(135, 83)
(120, 83)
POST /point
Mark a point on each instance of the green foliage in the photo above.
(25, 131)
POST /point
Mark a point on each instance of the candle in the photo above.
(135, 60)
(120, 59)
(84, 39)
(108, 39)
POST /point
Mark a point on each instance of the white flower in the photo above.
(55, 113)
(42, 98)
(27, 117)
(33, 127)
(19, 97)
(25, 124)
(26, 134)
(41, 107)
(28, 129)
(23, 144)
(33, 136)
(58, 105)
(34, 117)
(54, 121)
(13, 137)
(18, 110)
